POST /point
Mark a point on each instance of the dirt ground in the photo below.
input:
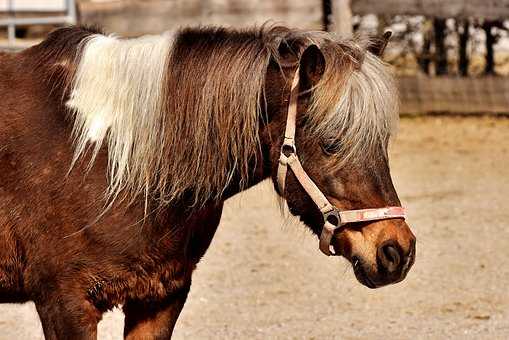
(264, 278)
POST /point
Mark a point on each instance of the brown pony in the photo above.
(116, 157)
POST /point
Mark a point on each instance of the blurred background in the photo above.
(449, 164)
(464, 43)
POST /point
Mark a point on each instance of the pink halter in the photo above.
(332, 217)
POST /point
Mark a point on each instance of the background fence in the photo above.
(443, 77)
(139, 17)
(436, 95)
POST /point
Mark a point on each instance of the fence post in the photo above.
(11, 27)
(342, 18)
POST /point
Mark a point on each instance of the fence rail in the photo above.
(485, 95)
(489, 9)
(65, 14)
(33, 6)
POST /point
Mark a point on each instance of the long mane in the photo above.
(355, 105)
(179, 113)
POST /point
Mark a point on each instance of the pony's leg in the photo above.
(62, 320)
(151, 321)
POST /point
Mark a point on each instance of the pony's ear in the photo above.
(377, 46)
(312, 66)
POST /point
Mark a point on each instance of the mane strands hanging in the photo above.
(117, 98)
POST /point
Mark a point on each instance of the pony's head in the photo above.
(347, 109)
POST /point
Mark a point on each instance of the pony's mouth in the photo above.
(361, 274)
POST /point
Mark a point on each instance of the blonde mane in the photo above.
(355, 105)
(180, 113)
(117, 97)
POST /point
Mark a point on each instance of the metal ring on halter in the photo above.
(331, 222)
(332, 216)
(288, 148)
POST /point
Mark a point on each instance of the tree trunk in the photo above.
(326, 15)
(489, 68)
(439, 28)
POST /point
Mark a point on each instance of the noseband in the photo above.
(332, 217)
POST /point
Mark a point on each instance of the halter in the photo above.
(332, 217)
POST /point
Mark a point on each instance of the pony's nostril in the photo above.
(392, 254)
(389, 257)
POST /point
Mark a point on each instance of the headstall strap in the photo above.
(332, 217)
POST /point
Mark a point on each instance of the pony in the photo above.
(116, 156)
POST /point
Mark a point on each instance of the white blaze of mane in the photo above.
(117, 98)
(365, 114)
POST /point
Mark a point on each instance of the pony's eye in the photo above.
(330, 147)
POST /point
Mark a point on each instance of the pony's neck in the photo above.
(179, 114)
(261, 170)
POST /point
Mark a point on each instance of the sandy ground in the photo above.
(266, 279)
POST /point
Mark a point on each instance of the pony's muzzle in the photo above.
(381, 252)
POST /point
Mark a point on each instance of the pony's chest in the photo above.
(155, 284)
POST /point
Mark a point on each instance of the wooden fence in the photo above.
(419, 94)
(430, 95)
(487, 9)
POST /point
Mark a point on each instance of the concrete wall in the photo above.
(135, 17)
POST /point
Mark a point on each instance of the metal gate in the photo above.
(42, 12)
